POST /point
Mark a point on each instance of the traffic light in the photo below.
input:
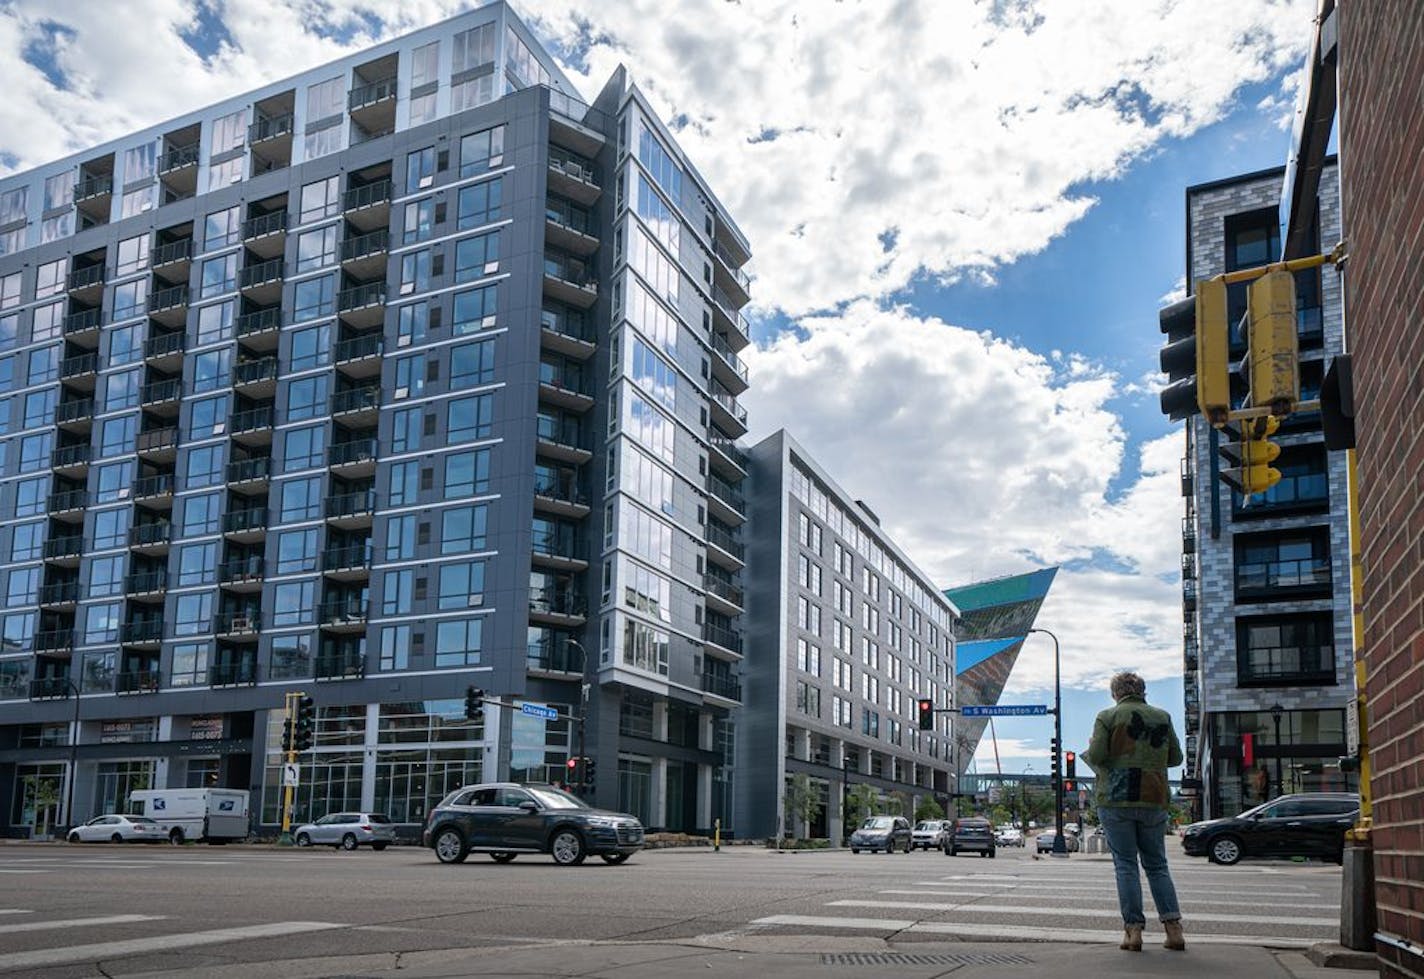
(590, 769)
(1271, 367)
(304, 726)
(1196, 357)
(1055, 762)
(1070, 764)
(573, 772)
(1068, 785)
(926, 715)
(1252, 452)
(474, 703)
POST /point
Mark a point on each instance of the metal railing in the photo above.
(59, 593)
(141, 631)
(724, 350)
(150, 486)
(159, 391)
(341, 610)
(727, 687)
(1283, 574)
(168, 299)
(178, 158)
(85, 278)
(729, 263)
(725, 541)
(565, 377)
(173, 251)
(565, 490)
(69, 456)
(558, 601)
(261, 274)
(367, 196)
(149, 534)
(375, 243)
(554, 657)
(730, 449)
(566, 215)
(252, 420)
(569, 269)
(264, 224)
(73, 411)
(346, 558)
(242, 521)
(356, 450)
(724, 398)
(240, 674)
(370, 93)
(722, 589)
(247, 470)
(727, 493)
(572, 165)
(82, 321)
(145, 582)
(260, 321)
(355, 399)
(137, 681)
(62, 547)
(334, 666)
(242, 569)
(270, 128)
(358, 297)
(165, 346)
(94, 187)
(50, 688)
(255, 371)
(561, 432)
(570, 108)
(557, 546)
(359, 348)
(238, 622)
(70, 500)
(351, 504)
(54, 640)
(569, 323)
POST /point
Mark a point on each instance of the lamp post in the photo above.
(73, 756)
(1060, 846)
(1276, 711)
(582, 714)
(1023, 799)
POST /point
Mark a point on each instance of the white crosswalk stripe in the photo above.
(59, 923)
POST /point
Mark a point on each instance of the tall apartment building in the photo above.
(1266, 583)
(410, 373)
(844, 635)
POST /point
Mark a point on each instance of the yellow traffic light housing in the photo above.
(1272, 352)
(1213, 351)
(1253, 456)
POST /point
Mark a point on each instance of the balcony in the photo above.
(59, 594)
(1282, 666)
(370, 94)
(1189, 535)
(137, 681)
(1303, 493)
(736, 284)
(79, 371)
(342, 615)
(564, 385)
(266, 235)
(340, 666)
(725, 687)
(146, 583)
(726, 315)
(83, 327)
(256, 378)
(364, 305)
(141, 632)
(575, 124)
(173, 253)
(368, 207)
(169, 306)
(561, 440)
(154, 489)
(94, 187)
(365, 256)
(727, 413)
(357, 404)
(253, 426)
(569, 281)
(238, 673)
(270, 128)
(67, 503)
(247, 471)
(570, 228)
(722, 544)
(727, 367)
(723, 593)
(245, 526)
(347, 563)
(242, 574)
(720, 636)
(54, 641)
(727, 457)
(262, 283)
(558, 551)
(568, 333)
(179, 158)
(351, 510)
(1268, 577)
(75, 415)
(158, 445)
(360, 357)
(548, 656)
(354, 458)
(72, 460)
(558, 606)
(573, 176)
(162, 396)
(560, 496)
(86, 284)
(64, 550)
(243, 624)
(151, 537)
(51, 688)
(1189, 567)
(165, 352)
(726, 498)
(259, 329)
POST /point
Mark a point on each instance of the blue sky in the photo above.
(963, 218)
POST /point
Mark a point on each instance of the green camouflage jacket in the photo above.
(1133, 746)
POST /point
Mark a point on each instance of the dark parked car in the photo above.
(505, 819)
(888, 833)
(973, 834)
(1307, 824)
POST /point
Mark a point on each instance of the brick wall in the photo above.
(1382, 144)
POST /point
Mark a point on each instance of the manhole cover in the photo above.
(923, 958)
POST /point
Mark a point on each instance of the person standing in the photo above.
(1133, 745)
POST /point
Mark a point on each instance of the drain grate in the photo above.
(917, 958)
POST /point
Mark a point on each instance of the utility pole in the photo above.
(1060, 846)
(73, 756)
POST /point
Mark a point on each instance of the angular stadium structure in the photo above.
(996, 617)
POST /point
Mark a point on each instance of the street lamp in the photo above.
(1060, 846)
(583, 712)
(1276, 711)
(73, 756)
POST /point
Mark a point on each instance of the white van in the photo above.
(208, 815)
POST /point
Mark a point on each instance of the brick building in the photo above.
(1382, 79)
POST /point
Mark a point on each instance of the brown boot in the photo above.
(1175, 940)
(1131, 938)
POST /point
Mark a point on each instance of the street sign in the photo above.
(1352, 726)
(540, 710)
(291, 774)
(1003, 710)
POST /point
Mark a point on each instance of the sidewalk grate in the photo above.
(912, 958)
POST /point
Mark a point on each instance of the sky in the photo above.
(964, 217)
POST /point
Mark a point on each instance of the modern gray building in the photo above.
(844, 635)
(411, 373)
(1266, 582)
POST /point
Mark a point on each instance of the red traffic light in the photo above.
(1068, 785)
(926, 715)
(572, 763)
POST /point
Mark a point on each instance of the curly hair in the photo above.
(1127, 685)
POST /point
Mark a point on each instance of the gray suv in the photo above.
(505, 819)
(348, 830)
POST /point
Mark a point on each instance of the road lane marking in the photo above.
(16, 911)
(158, 943)
(1107, 898)
(1065, 912)
(1080, 884)
(971, 932)
(113, 919)
(6, 870)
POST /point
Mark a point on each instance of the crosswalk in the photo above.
(30, 865)
(1266, 907)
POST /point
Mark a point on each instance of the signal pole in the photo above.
(289, 731)
(1060, 846)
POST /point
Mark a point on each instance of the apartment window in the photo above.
(47, 322)
(471, 364)
(117, 435)
(473, 48)
(222, 228)
(211, 370)
(100, 626)
(201, 514)
(464, 529)
(395, 648)
(135, 202)
(39, 408)
(474, 310)
(467, 473)
(228, 132)
(197, 564)
(301, 499)
(58, 192)
(190, 664)
(132, 255)
(480, 151)
(462, 585)
(458, 643)
(215, 323)
(1268, 565)
(470, 418)
(27, 542)
(419, 169)
(808, 657)
(410, 377)
(476, 257)
(314, 298)
(479, 204)
(311, 347)
(842, 674)
(870, 688)
(425, 65)
(325, 100)
(131, 299)
(1286, 650)
(205, 466)
(658, 161)
(296, 551)
(404, 483)
(306, 398)
(840, 635)
(304, 448)
(321, 199)
(294, 603)
(400, 537)
(808, 699)
(869, 653)
(219, 276)
(645, 648)
(222, 174)
(44, 365)
(35, 451)
(809, 574)
(843, 714)
(472, 92)
(57, 227)
(9, 290)
(808, 615)
(208, 418)
(419, 223)
(30, 497)
(870, 723)
(406, 428)
(9, 331)
(411, 323)
(415, 272)
(316, 249)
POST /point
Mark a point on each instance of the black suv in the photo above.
(1308, 824)
(505, 819)
(974, 834)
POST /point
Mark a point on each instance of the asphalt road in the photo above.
(70, 911)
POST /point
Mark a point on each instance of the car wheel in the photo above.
(176, 837)
(567, 847)
(450, 846)
(503, 857)
(348, 842)
(116, 838)
(852, 849)
(954, 851)
(74, 838)
(303, 839)
(1225, 850)
(378, 847)
(615, 858)
(991, 854)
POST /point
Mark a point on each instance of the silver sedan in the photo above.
(118, 829)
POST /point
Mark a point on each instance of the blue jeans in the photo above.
(1140, 834)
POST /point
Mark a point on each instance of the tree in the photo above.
(803, 803)
(898, 803)
(43, 792)
(928, 809)
(861, 801)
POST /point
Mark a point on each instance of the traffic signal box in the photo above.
(1070, 764)
(1272, 360)
(474, 703)
(1251, 453)
(304, 726)
(926, 715)
(1196, 358)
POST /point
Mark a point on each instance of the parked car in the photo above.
(348, 830)
(118, 829)
(928, 834)
(1009, 836)
(888, 833)
(1044, 842)
(974, 834)
(505, 819)
(1305, 824)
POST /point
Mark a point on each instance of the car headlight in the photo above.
(603, 822)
